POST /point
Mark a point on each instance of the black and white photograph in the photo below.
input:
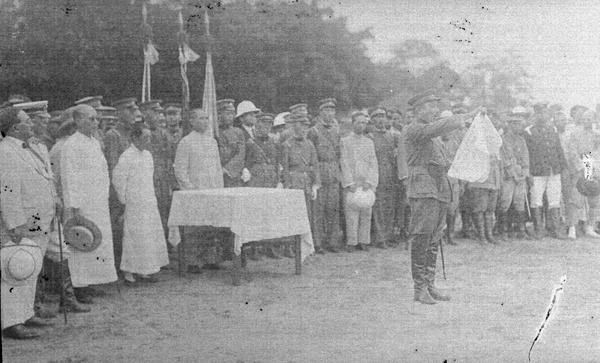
(291, 181)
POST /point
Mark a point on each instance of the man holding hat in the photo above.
(161, 147)
(326, 139)
(246, 114)
(116, 142)
(515, 162)
(85, 187)
(428, 189)
(28, 209)
(547, 161)
(300, 163)
(360, 176)
(232, 145)
(387, 188)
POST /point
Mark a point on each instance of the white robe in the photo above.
(144, 245)
(85, 183)
(197, 162)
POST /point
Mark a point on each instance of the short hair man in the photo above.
(232, 145)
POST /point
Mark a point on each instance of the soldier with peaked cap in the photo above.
(300, 162)
(161, 147)
(299, 109)
(515, 162)
(107, 116)
(428, 189)
(262, 165)
(173, 122)
(116, 142)
(326, 139)
(387, 188)
(232, 145)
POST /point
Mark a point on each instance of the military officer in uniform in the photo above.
(232, 145)
(428, 189)
(326, 139)
(300, 163)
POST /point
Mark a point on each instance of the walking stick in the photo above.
(443, 262)
(60, 270)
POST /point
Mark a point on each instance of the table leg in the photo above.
(237, 267)
(244, 258)
(298, 254)
(180, 249)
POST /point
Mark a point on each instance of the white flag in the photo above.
(151, 54)
(186, 54)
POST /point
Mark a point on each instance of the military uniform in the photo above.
(232, 151)
(484, 197)
(451, 142)
(515, 162)
(326, 141)
(300, 169)
(429, 194)
(387, 189)
(262, 160)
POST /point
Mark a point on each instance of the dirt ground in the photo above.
(347, 307)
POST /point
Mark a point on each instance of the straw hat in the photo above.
(85, 237)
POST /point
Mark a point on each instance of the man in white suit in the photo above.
(27, 204)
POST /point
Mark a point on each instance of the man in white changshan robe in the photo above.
(85, 184)
(144, 245)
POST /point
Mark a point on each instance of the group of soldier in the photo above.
(400, 156)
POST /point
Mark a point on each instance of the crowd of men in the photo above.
(375, 178)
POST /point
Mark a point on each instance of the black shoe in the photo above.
(332, 249)
(437, 294)
(363, 247)
(83, 296)
(19, 331)
(147, 280)
(42, 312)
(74, 307)
(351, 248)
(212, 267)
(194, 269)
(319, 250)
(424, 298)
(39, 322)
(95, 292)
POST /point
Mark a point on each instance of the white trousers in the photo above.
(549, 184)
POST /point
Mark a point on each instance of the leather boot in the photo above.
(478, 221)
(521, 230)
(558, 229)
(424, 297)
(450, 221)
(489, 223)
(536, 214)
(465, 217)
(38, 308)
(418, 263)
(502, 225)
(69, 302)
(438, 294)
(19, 331)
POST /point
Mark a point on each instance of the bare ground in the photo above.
(347, 307)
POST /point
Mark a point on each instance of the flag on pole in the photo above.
(209, 98)
(472, 160)
(150, 56)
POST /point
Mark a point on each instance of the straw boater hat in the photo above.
(84, 237)
(360, 199)
(21, 263)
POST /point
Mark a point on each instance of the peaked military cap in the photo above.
(125, 103)
(294, 118)
(423, 97)
(105, 111)
(227, 103)
(93, 101)
(263, 116)
(327, 102)
(173, 107)
(376, 111)
(299, 107)
(151, 105)
(37, 108)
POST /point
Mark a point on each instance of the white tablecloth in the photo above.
(252, 214)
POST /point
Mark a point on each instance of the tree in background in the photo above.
(274, 53)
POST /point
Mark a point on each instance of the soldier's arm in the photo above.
(111, 151)
(314, 166)
(285, 164)
(419, 132)
(236, 163)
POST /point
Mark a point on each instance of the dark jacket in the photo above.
(546, 156)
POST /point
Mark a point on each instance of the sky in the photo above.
(559, 41)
